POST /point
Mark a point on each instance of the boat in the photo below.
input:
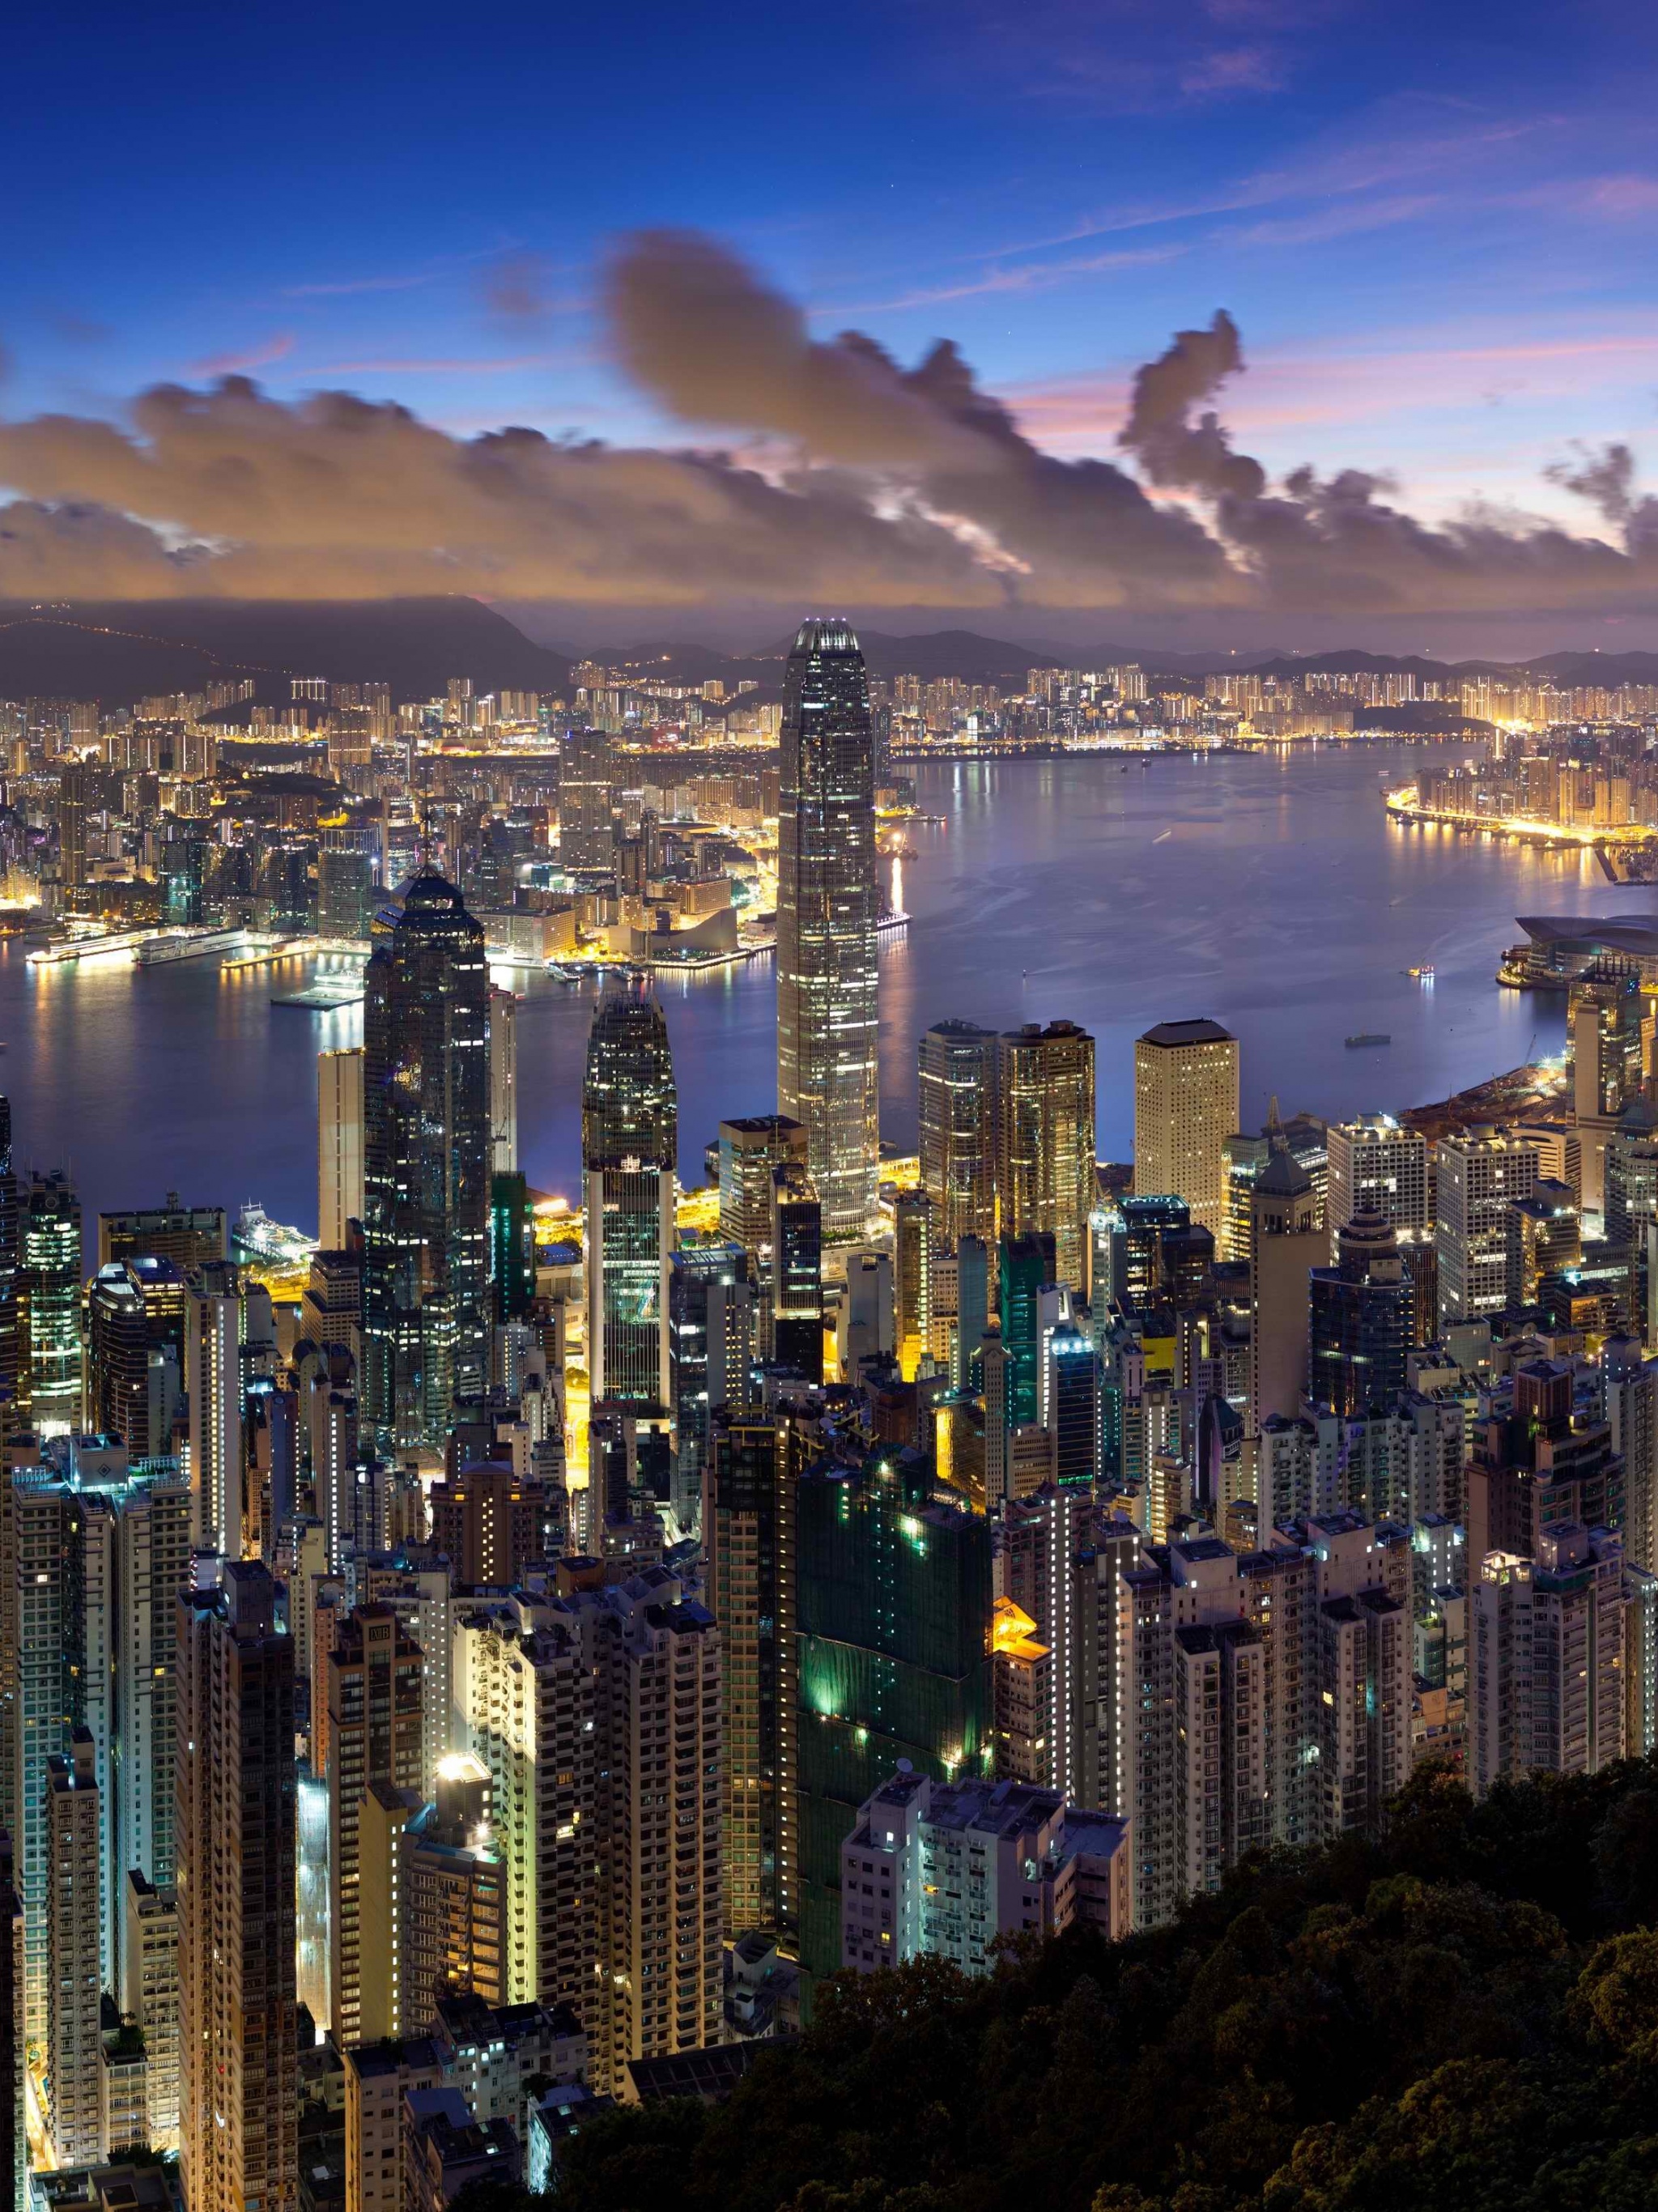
(1158, 840)
(1368, 1037)
(1424, 974)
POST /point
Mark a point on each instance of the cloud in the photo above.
(1232, 69)
(517, 289)
(276, 348)
(882, 484)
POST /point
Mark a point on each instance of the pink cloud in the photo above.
(1232, 69)
(274, 348)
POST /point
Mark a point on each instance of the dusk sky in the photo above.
(1432, 225)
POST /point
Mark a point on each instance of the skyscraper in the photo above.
(748, 1151)
(797, 1272)
(1359, 1331)
(1481, 1170)
(375, 1732)
(828, 1061)
(238, 2066)
(587, 824)
(1186, 1106)
(74, 2042)
(503, 1081)
(339, 1144)
(1286, 1244)
(912, 1278)
(629, 1148)
(426, 1164)
(49, 1304)
(1045, 1168)
(956, 1108)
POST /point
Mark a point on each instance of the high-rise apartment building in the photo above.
(339, 1144)
(750, 1150)
(135, 1307)
(225, 1520)
(1359, 1327)
(586, 820)
(956, 1107)
(426, 1165)
(1045, 1173)
(1547, 1663)
(750, 1543)
(375, 1732)
(149, 1997)
(1186, 1106)
(238, 2068)
(912, 1278)
(1481, 1171)
(828, 1060)
(73, 1916)
(152, 1536)
(503, 1082)
(629, 1150)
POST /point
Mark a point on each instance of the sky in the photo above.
(1431, 225)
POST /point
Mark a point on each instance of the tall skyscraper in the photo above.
(1482, 1171)
(956, 1108)
(1377, 1165)
(1286, 1244)
(74, 2040)
(426, 1165)
(586, 822)
(1045, 1170)
(827, 1058)
(912, 1278)
(1359, 1331)
(339, 1144)
(629, 1149)
(748, 1151)
(375, 1735)
(503, 1081)
(1186, 1106)
(750, 1538)
(13, 1376)
(134, 1308)
(49, 1304)
(797, 1272)
(1547, 1661)
(213, 1383)
(239, 2064)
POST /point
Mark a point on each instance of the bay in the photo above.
(1270, 892)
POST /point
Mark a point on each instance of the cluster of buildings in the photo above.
(1570, 779)
(506, 1677)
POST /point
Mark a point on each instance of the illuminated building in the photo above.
(586, 822)
(972, 1308)
(376, 1729)
(512, 1246)
(345, 892)
(74, 1892)
(629, 1145)
(940, 1870)
(14, 2127)
(1545, 1237)
(503, 1081)
(750, 1538)
(1027, 1268)
(426, 1165)
(1547, 1658)
(212, 1379)
(797, 1272)
(1186, 1106)
(1377, 1166)
(1045, 1173)
(749, 1150)
(49, 1304)
(239, 2073)
(152, 1528)
(712, 1308)
(189, 1236)
(135, 1307)
(912, 1278)
(50, 1696)
(1286, 1244)
(1481, 1171)
(339, 1144)
(1358, 1330)
(828, 1060)
(149, 1995)
(895, 1656)
(956, 1104)
(454, 1902)
(1071, 1402)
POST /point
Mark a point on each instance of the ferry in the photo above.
(1424, 974)
(1368, 1037)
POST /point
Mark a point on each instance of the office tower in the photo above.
(894, 1611)
(940, 1870)
(49, 1304)
(1603, 1042)
(749, 1541)
(345, 892)
(1028, 1264)
(238, 2076)
(74, 1928)
(1547, 1662)
(1045, 1176)
(76, 793)
(512, 1247)
(956, 1107)
(972, 1307)
(797, 1272)
(712, 1310)
(1359, 1325)
(503, 1081)
(1246, 1157)
(426, 1165)
(1545, 1237)
(339, 1144)
(828, 1060)
(629, 1149)
(149, 1997)
(865, 1325)
(750, 1150)
(1071, 1398)
(1377, 1166)
(189, 1236)
(1186, 1106)
(1285, 1245)
(996, 1370)
(912, 1278)
(375, 1735)
(1481, 1171)
(135, 1307)
(212, 1377)
(586, 821)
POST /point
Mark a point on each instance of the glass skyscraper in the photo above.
(828, 1063)
(426, 1164)
(629, 1145)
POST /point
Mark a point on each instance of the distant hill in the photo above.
(116, 652)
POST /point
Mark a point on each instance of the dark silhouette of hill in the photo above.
(116, 652)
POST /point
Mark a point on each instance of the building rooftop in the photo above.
(1194, 1032)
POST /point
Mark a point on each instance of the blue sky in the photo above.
(1433, 224)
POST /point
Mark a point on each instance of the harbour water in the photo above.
(1269, 892)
